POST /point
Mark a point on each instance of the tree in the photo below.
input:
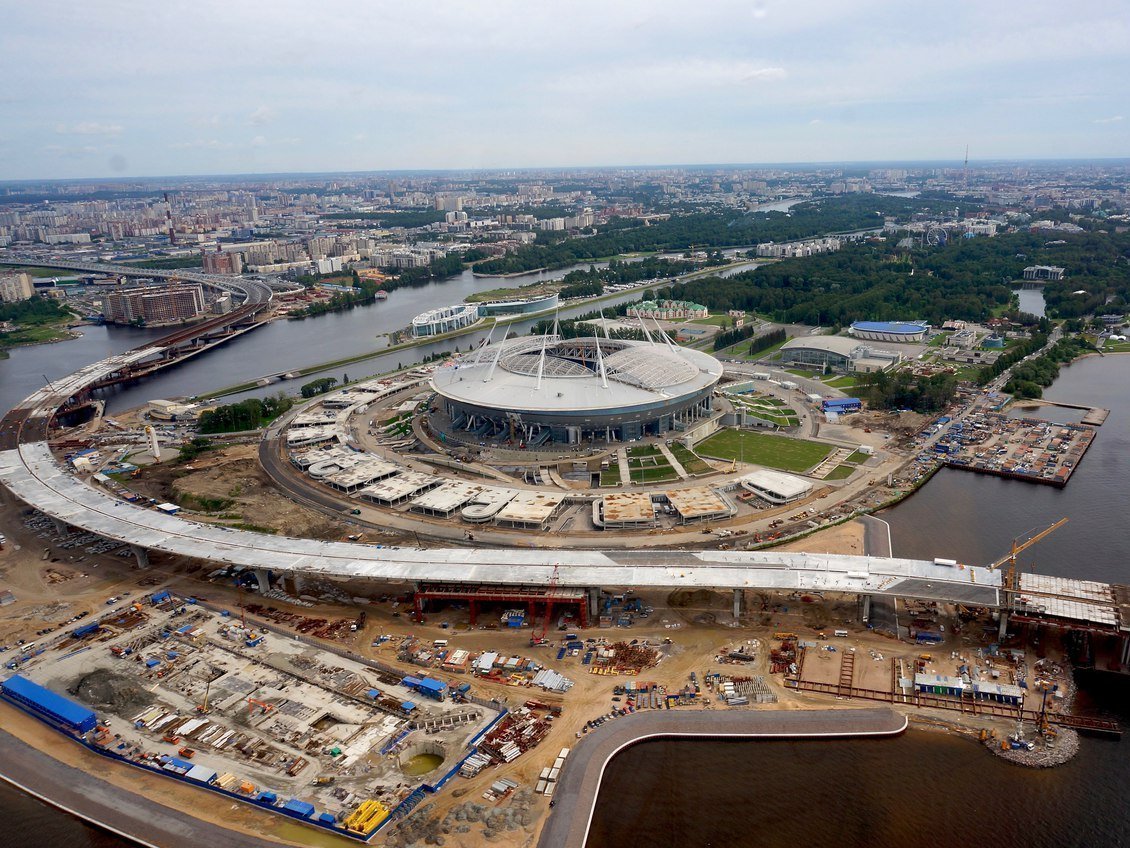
(318, 387)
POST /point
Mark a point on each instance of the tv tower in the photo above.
(965, 178)
(169, 219)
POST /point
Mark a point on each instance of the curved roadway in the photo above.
(29, 470)
(577, 790)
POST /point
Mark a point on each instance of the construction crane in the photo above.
(1011, 576)
(203, 708)
(539, 637)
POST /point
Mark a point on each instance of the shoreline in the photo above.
(568, 826)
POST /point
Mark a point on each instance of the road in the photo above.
(109, 806)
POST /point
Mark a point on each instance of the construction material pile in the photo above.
(517, 733)
(782, 659)
(625, 658)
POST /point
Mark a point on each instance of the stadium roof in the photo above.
(550, 374)
(889, 327)
(843, 345)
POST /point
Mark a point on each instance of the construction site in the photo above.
(276, 722)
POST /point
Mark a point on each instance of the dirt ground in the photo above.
(846, 538)
(699, 624)
(228, 485)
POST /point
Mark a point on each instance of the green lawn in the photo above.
(765, 449)
(844, 382)
(742, 349)
(858, 456)
(840, 472)
(638, 451)
(714, 320)
(610, 476)
(653, 474)
(1117, 347)
(691, 463)
(939, 340)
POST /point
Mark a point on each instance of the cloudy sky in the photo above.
(115, 87)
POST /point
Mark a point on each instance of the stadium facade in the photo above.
(541, 389)
(889, 331)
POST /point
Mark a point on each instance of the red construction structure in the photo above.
(532, 597)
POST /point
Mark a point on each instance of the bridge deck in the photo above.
(34, 476)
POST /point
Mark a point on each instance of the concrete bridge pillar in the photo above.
(866, 608)
(1125, 651)
(1004, 626)
(299, 583)
(142, 555)
(594, 604)
(60, 526)
(264, 578)
(738, 593)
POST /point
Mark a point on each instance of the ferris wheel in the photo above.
(936, 237)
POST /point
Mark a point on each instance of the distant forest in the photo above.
(710, 230)
(967, 279)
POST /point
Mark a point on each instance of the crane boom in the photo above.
(1010, 557)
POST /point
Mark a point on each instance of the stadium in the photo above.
(889, 331)
(542, 389)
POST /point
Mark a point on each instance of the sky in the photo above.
(116, 88)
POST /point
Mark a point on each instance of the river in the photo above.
(281, 346)
(925, 790)
(922, 789)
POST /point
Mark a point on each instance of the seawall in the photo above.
(577, 790)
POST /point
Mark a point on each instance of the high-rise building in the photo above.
(223, 262)
(154, 305)
(15, 287)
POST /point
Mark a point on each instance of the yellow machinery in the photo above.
(366, 817)
(1011, 577)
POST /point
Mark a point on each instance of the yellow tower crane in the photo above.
(1011, 576)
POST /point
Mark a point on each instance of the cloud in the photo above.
(261, 116)
(88, 128)
(202, 144)
(662, 79)
(1113, 119)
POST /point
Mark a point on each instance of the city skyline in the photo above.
(249, 88)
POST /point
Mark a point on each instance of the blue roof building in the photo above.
(841, 405)
(889, 331)
(47, 705)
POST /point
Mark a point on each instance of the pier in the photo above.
(1026, 449)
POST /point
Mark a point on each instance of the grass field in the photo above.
(691, 463)
(714, 320)
(653, 474)
(844, 382)
(840, 472)
(1117, 347)
(741, 349)
(858, 456)
(610, 476)
(765, 449)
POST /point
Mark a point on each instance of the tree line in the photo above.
(904, 390)
(249, 414)
(1029, 379)
(739, 334)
